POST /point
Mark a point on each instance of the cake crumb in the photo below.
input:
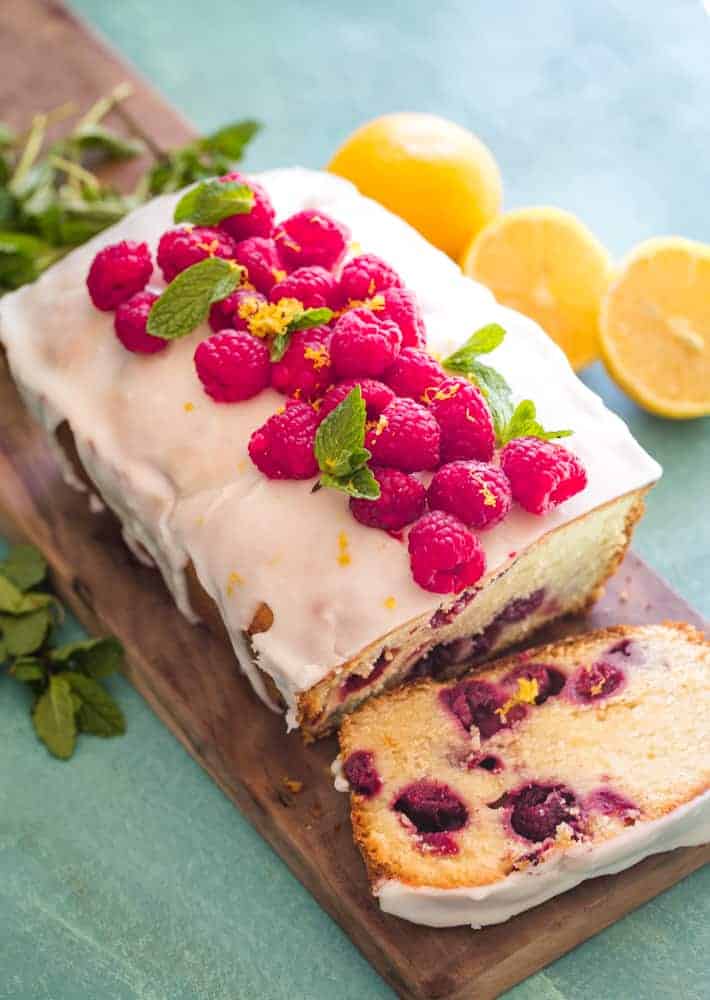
(292, 785)
(624, 596)
(390, 603)
(343, 549)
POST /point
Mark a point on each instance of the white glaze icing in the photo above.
(180, 478)
(687, 826)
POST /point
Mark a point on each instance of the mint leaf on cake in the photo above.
(340, 449)
(186, 301)
(211, 201)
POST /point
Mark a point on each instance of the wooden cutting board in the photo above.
(190, 679)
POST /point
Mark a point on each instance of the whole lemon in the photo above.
(430, 171)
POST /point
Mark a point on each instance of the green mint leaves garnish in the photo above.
(211, 201)
(307, 319)
(64, 680)
(186, 301)
(508, 421)
(340, 450)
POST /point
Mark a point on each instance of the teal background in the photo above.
(126, 874)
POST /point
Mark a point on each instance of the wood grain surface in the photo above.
(191, 680)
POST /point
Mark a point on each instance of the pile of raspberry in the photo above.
(424, 426)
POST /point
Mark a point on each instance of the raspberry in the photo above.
(476, 493)
(539, 809)
(405, 437)
(117, 272)
(376, 395)
(363, 344)
(431, 806)
(402, 308)
(361, 773)
(550, 681)
(598, 681)
(542, 474)
(314, 287)
(402, 499)
(445, 557)
(477, 703)
(415, 373)
(283, 447)
(259, 221)
(305, 370)
(233, 312)
(365, 276)
(181, 248)
(466, 425)
(130, 322)
(312, 238)
(232, 365)
(261, 258)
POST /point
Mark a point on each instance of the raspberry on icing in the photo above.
(444, 556)
(117, 272)
(376, 395)
(465, 421)
(406, 436)
(365, 276)
(363, 344)
(233, 312)
(542, 474)
(180, 248)
(305, 371)
(415, 373)
(232, 365)
(283, 447)
(262, 260)
(311, 237)
(401, 501)
(130, 325)
(314, 287)
(257, 222)
(401, 306)
(475, 492)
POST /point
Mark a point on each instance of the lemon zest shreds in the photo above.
(598, 687)
(528, 690)
(489, 497)
(210, 248)
(343, 546)
(390, 603)
(371, 288)
(445, 392)
(188, 407)
(270, 319)
(233, 580)
(278, 274)
(377, 425)
(318, 355)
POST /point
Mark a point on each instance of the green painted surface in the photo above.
(126, 874)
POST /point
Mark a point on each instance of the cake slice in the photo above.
(475, 800)
(322, 609)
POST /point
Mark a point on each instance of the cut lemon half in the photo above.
(655, 327)
(545, 263)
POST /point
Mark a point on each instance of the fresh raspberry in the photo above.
(402, 308)
(361, 773)
(376, 395)
(365, 276)
(259, 221)
(465, 421)
(283, 447)
(477, 493)
(261, 258)
(181, 248)
(233, 312)
(401, 501)
(314, 287)
(363, 344)
(405, 437)
(537, 810)
(415, 373)
(130, 323)
(117, 272)
(232, 365)
(305, 370)
(310, 237)
(445, 557)
(431, 806)
(542, 474)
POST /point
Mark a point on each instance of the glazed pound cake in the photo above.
(473, 801)
(273, 383)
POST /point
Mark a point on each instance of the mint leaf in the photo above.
(104, 143)
(230, 140)
(497, 392)
(360, 484)
(11, 597)
(24, 566)
(524, 423)
(93, 657)
(186, 301)
(483, 341)
(53, 718)
(24, 634)
(28, 670)
(305, 321)
(340, 449)
(211, 201)
(98, 712)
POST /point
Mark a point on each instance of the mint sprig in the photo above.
(508, 421)
(305, 321)
(340, 450)
(211, 201)
(186, 301)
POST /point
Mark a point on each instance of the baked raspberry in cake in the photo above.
(474, 800)
(212, 450)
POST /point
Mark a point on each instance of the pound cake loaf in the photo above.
(205, 375)
(475, 800)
